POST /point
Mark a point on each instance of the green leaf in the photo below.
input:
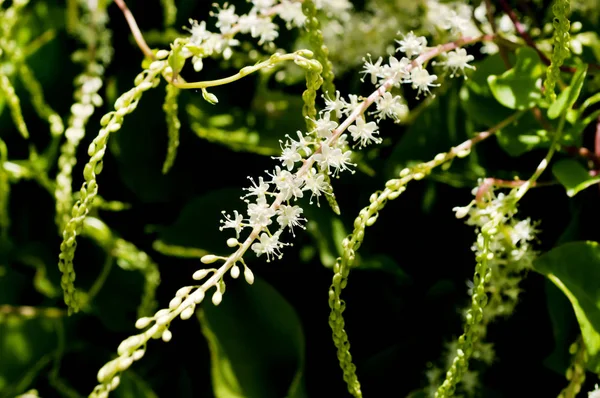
(573, 176)
(26, 346)
(517, 88)
(575, 269)
(568, 97)
(523, 135)
(256, 343)
(476, 97)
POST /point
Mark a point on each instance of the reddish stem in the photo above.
(135, 30)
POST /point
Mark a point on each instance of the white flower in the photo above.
(390, 106)
(289, 216)
(268, 245)
(198, 31)
(226, 18)
(324, 126)
(373, 69)
(522, 231)
(352, 105)
(236, 222)
(422, 80)
(333, 158)
(258, 26)
(364, 132)
(292, 14)
(334, 8)
(412, 45)
(336, 104)
(595, 393)
(289, 155)
(259, 190)
(287, 183)
(457, 60)
(260, 214)
(302, 144)
(263, 5)
(397, 70)
(315, 182)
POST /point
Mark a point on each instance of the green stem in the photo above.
(272, 61)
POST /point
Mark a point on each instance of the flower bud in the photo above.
(217, 298)
(209, 259)
(248, 275)
(167, 335)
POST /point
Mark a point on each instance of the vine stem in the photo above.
(367, 217)
(274, 59)
(135, 30)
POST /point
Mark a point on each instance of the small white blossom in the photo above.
(198, 31)
(336, 105)
(457, 60)
(287, 183)
(291, 13)
(289, 154)
(422, 80)
(333, 158)
(269, 245)
(334, 8)
(259, 190)
(235, 222)
(302, 144)
(260, 214)
(412, 45)
(373, 69)
(290, 216)
(258, 26)
(389, 106)
(352, 105)
(522, 231)
(363, 132)
(396, 70)
(324, 126)
(595, 393)
(315, 182)
(263, 5)
(226, 18)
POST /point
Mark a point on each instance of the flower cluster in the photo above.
(511, 246)
(258, 23)
(309, 159)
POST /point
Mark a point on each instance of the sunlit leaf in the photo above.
(256, 343)
(575, 269)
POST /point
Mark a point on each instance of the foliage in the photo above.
(158, 112)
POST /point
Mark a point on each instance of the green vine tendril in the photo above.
(474, 317)
(315, 36)
(560, 52)
(173, 125)
(111, 123)
(366, 218)
(4, 192)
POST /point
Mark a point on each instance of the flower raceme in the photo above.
(308, 161)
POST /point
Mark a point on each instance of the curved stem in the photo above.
(135, 30)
